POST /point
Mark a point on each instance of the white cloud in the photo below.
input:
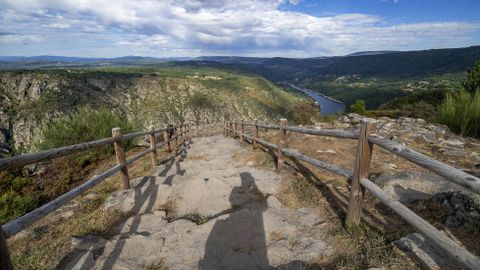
(223, 27)
(19, 38)
(58, 25)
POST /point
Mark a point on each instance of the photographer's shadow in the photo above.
(238, 242)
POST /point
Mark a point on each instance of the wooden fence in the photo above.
(171, 136)
(358, 176)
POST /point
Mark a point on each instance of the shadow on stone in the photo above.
(238, 242)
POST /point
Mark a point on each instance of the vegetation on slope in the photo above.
(157, 95)
(29, 188)
(461, 111)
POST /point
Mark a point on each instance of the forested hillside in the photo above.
(32, 99)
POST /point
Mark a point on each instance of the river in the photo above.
(328, 105)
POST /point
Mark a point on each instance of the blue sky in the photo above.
(288, 28)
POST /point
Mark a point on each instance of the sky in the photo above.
(268, 28)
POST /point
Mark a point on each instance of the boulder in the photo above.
(424, 251)
(408, 187)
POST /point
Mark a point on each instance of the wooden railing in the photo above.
(358, 176)
(171, 135)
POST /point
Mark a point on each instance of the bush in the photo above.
(358, 107)
(420, 109)
(12, 205)
(472, 83)
(461, 113)
(86, 124)
(302, 113)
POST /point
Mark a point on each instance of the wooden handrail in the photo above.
(448, 245)
(30, 158)
(468, 181)
(455, 175)
(24, 221)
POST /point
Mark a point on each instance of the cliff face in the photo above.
(30, 99)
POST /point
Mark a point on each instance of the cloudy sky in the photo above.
(288, 28)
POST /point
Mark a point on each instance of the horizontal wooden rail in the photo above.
(22, 222)
(138, 156)
(448, 245)
(455, 175)
(30, 158)
(267, 126)
(421, 225)
(319, 163)
(337, 133)
(461, 178)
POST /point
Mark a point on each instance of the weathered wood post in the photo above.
(242, 131)
(282, 141)
(230, 132)
(175, 134)
(166, 138)
(5, 261)
(360, 170)
(153, 155)
(120, 155)
(234, 129)
(255, 134)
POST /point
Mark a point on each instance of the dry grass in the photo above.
(158, 264)
(276, 236)
(46, 242)
(170, 208)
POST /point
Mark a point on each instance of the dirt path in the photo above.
(207, 209)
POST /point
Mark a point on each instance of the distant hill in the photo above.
(370, 53)
(397, 64)
(367, 63)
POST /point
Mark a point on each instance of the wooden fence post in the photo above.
(360, 170)
(234, 128)
(282, 141)
(255, 134)
(175, 133)
(153, 155)
(5, 261)
(166, 138)
(120, 155)
(242, 131)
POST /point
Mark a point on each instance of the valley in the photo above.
(30, 100)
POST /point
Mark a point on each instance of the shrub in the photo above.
(12, 205)
(302, 113)
(472, 83)
(419, 109)
(358, 107)
(86, 124)
(461, 112)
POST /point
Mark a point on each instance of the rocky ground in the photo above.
(205, 210)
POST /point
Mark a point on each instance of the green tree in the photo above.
(358, 107)
(472, 83)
